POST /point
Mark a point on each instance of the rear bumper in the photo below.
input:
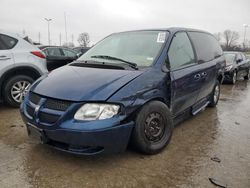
(101, 141)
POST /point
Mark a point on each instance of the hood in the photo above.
(83, 84)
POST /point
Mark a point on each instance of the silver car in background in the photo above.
(21, 63)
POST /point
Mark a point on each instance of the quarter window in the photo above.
(7, 42)
(180, 53)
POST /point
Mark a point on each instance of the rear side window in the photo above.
(180, 53)
(68, 53)
(7, 42)
(206, 46)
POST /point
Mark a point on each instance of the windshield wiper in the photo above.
(133, 65)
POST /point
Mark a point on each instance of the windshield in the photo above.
(230, 58)
(138, 47)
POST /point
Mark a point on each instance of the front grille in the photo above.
(34, 98)
(30, 110)
(57, 104)
(47, 118)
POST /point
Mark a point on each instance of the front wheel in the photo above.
(214, 98)
(153, 129)
(16, 88)
(247, 76)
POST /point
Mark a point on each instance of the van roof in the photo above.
(170, 29)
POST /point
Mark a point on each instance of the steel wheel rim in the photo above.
(154, 127)
(216, 93)
(19, 90)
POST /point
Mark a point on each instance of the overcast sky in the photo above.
(102, 17)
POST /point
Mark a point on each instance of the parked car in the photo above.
(237, 65)
(21, 63)
(81, 50)
(58, 56)
(132, 86)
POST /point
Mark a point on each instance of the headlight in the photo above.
(94, 111)
(228, 68)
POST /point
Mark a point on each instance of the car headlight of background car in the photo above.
(228, 68)
(95, 111)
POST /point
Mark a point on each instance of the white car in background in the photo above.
(21, 63)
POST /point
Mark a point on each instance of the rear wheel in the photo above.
(16, 88)
(214, 98)
(153, 129)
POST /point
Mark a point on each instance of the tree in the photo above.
(218, 36)
(83, 39)
(231, 38)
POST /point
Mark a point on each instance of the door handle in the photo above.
(197, 76)
(3, 57)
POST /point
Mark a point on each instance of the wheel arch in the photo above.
(134, 113)
(23, 70)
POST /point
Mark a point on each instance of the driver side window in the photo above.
(180, 53)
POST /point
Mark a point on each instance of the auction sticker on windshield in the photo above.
(161, 37)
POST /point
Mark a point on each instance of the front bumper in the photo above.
(85, 138)
(111, 140)
(228, 75)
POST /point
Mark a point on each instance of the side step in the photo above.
(200, 109)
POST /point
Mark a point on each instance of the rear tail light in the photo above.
(38, 54)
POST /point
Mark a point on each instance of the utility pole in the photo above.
(48, 20)
(72, 38)
(39, 38)
(245, 30)
(65, 24)
(60, 39)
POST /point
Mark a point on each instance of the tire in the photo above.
(214, 98)
(154, 116)
(14, 86)
(233, 78)
(247, 76)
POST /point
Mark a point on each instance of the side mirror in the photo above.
(78, 54)
(239, 60)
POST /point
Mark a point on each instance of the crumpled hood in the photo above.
(83, 84)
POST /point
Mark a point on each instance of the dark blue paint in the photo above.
(178, 89)
(81, 83)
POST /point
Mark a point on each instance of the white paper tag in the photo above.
(150, 58)
(161, 37)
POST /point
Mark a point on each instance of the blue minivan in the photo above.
(130, 87)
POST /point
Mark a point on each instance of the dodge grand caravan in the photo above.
(131, 86)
